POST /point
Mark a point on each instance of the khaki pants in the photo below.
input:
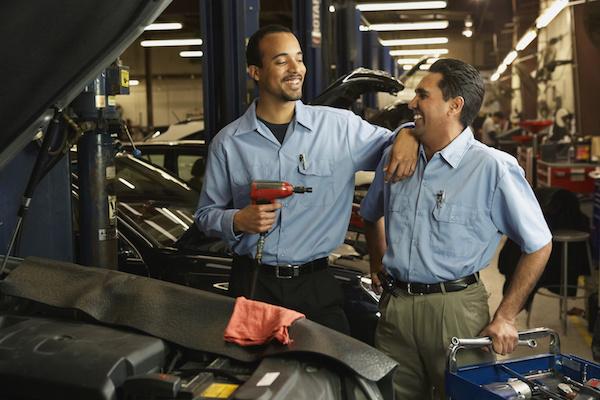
(416, 331)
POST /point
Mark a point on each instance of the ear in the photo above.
(254, 72)
(456, 105)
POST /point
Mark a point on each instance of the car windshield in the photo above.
(164, 223)
(139, 181)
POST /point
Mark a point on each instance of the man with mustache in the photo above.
(442, 225)
(279, 138)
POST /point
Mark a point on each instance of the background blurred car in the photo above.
(190, 129)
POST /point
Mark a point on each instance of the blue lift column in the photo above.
(225, 26)
(371, 47)
(386, 61)
(309, 17)
(348, 38)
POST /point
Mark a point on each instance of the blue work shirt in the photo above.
(323, 148)
(445, 221)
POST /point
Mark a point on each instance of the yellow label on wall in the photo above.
(219, 390)
(124, 78)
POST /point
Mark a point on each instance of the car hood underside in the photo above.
(185, 316)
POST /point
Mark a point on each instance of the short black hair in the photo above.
(461, 79)
(253, 56)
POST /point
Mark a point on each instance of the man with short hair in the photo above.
(281, 139)
(492, 127)
(442, 226)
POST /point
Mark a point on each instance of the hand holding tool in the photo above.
(265, 192)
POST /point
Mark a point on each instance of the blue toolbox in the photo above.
(545, 376)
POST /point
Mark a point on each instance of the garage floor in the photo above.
(545, 313)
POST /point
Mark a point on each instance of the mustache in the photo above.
(294, 76)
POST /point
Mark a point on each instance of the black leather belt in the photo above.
(288, 271)
(415, 288)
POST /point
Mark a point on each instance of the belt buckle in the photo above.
(293, 269)
(409, 290)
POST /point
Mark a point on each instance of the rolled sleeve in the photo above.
(366, 142)
(372, 206)
(517, 213)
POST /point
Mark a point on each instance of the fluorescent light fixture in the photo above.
(494, 77)
(467, 32)
(424, 67)
(510, 57)
(197, 53)
(407, 67)
(134, 82)
(411, 5)
(171, 42)
(332, 8)
(550, 12)
(501, 69)
(164, 26)
(407, 60)
(418, 52)
(417, 41)
(405, 26)
(525, 40)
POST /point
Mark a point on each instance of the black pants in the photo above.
(317, 295)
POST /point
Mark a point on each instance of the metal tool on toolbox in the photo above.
(543, 376)
(266, 192)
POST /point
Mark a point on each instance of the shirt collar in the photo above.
(454, 152)
(303, 117)
(249, 122)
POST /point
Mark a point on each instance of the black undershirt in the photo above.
(278, 130)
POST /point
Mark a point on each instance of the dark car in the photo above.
(73, 331)
(183, 158)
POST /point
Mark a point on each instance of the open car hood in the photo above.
(347, 89)
(188, 317)
(52, 49)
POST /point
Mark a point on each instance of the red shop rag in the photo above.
(254, 322)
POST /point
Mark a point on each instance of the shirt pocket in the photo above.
(458, 231)
(399, 216)
(318, 175)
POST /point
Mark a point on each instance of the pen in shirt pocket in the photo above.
(440, 197)
(302, 159)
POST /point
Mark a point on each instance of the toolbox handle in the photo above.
(526, 338)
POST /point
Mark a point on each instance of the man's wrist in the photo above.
(407, 125)
(501, 317)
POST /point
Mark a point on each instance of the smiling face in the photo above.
(432, 112)
(282, 72)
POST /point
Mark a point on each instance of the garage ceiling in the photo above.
(492, 22)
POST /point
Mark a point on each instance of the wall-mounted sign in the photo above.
(316, 23)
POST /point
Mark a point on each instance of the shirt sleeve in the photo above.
(372, 206)
(214, 217)
(517, 213)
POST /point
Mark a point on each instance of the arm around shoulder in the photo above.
(404, 155)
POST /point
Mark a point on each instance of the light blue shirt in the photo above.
(323, 148)
(445, 221)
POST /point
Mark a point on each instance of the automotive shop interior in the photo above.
(300, 200)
